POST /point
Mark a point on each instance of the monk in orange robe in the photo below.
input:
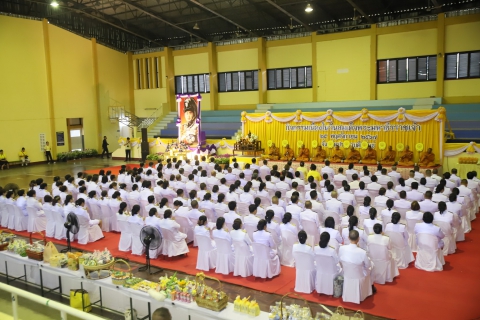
(321, 155)
(370, 156)
(389, 157)
(304, 154)
(274, 153)
(289, 154)
(354, 156)
(338, 155)
(427, 159)
(406, 159)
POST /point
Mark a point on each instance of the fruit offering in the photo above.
(18, 246)
(97, 258)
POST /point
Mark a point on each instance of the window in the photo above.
(157, 73)
(191, 84)
(139, 74)
(147, 69)
(238, 81)
(462, 65)
(407, 69)
(289, 78)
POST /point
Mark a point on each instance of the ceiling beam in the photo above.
(155, 16)
(259, 8)
(102, 19)
(307, 27)
(197, 20)
(219, 15)
(370, 20)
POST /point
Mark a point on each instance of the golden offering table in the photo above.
(249, 148)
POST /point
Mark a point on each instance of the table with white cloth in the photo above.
(104, 293)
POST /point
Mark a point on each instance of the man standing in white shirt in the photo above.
(328, 170)
(394, 174)
(333, 204)
(414, 194)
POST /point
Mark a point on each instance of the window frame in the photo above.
(468, 65)
(407, 68)
(204, 90)
(230, 74)
(290, 78)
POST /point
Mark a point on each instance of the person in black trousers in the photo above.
(128, 150)
(105, 147)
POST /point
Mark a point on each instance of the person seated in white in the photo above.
(394, 174)
(387, 213)
(383, 178)
(327, 190)
(352, 225)
(371, 221)
(81, 210)
(181, 211)
(220, 205)
(374, 185)
(464, 191)
(168, 223)
(443, 215)
(351, 253)
(347, 197)
(21, 202)
(231, 195)
(342, 188)
(42, 191)
(417, 174)
(446, 181)
(414, 213)
(431, 182)
(453, 206)
(402, 203)
(294, 208)
(221, 231)
(298, 179)
(366, 177)
(229, 176)
(194, 214)
(309, 214)
(289, 193)
(339, 176)
(422, 187)
(334, 205)
(32, 202)
(402, 186)
(411, 178)
(202, 229)
(435, 175)
(350, 212)
(251, 218)
(282, 185)
(301, 245)
(381, 199)
(240, 235)
(471, 183)
(355, 184)
(428, 227)
(330, 229)
(166, 191)
(231, 215)
(327, 170)
(428, 205)
(324, 250)
(364, 209)
(246, 196)
(122, 214)
(261, 235)
(135, 218)
(134, 194)
(391, 193)
(287, 224)
(181, 198)
(395, 226)
(438, 195)
(151, 204)
(414, 194)
(207, 203)
(361, 192)
(273, 226)
(455, 178)
(153, 220)
(351, 170)
(191, 185)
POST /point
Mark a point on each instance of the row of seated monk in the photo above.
(427, 158)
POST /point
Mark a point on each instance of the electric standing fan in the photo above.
(71, 224)
(152, 240)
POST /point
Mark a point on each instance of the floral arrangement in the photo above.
(6, 237)
(35, 247)
(293, 311)
(174, 288)
(155, 156)
(177, 147)
(18, 246)
(468, 160)
(73, 155)
(96, 258)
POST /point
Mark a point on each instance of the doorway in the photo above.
(75, 134)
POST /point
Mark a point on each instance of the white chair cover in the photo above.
(225, 256)
(210, 214)
(3, 215)
(137, 245)
(305, 272)
(60, 231)
(21, 221)
(50, 228)
(264, 267)
(185, 228)
(429, 256)
(96, 212)
(384, 267)
(242, 209)
(106, 217)
(207, 254)
(356, 285)
(88, 233)
(143, 212)
(327, 270)
(172, 247)
(35, 223)
(335, 216)
(403, 214)
(288, 240)
(113, 217)
(313, 233)
(449, 244)
(265, 202)
(11, 217)
(243, 259)
(125, 243)
(250, 228)
(401, 253)
(412, 238)
(132, 202)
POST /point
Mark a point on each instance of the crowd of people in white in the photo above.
(361, 225)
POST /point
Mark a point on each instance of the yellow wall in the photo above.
(289, 96)
(152, 98)
(237, 98)
(297, 55)
(407, 44)
(237, 60)
(406, 90)
(462, 37)
(343, 73)
(191, 64)
(462, 88)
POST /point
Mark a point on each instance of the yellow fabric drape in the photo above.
(430, 134)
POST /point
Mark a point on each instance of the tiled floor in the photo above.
(23, 175)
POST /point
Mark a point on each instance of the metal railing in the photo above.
(64, 309)
(129, 119)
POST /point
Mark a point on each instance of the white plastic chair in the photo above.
(125, 242)
(412, 238)
(243, 259)
(429, 256)
(50, 227)
(288, 240)
(35, 222)
(225, 256)
(137, 245)
(171, 246)
(264, 265)
(356, 286)
(21, 221)
(326, 271)
(106, 217)
(305, 272)
(384, 267)
(207, 254)
(401, 253)
(313, 233)
(449, 244)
